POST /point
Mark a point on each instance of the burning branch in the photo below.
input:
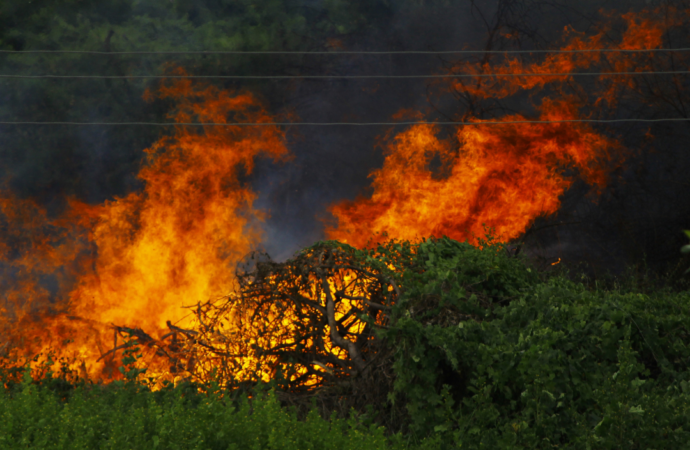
(307, 322)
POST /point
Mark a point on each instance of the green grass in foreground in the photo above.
(130, 417)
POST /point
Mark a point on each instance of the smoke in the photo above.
(640, 213)
(638, 217)
(95, 235)
(334, 163)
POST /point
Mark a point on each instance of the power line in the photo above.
(281, 77)
(345, 52)
(287, 124)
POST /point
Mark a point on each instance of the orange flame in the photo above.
(39, 258)
(173, 244)
(502, 177)
(137, 261)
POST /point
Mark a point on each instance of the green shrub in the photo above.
(489, 356)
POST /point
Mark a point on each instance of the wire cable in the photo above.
(282, 77)
(345, 52)
(287, 124)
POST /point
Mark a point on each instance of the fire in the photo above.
(74, 283)
(173, 244)
(299, 321)
(503, 176)
(38, 258)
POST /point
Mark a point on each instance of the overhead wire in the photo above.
(463, 75)
(282, 124)
(280, 77)
(344, 52)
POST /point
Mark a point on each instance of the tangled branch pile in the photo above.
(307, 323)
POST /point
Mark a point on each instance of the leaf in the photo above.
(603, 426)
(636, 410)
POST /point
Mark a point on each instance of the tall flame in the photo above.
(136, 261)
(173, 244)
(503, 176)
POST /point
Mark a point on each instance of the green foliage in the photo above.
(129, 369)
(128, 417)
(487, 355)
(459, 274)
(686, 248)
(15, 374)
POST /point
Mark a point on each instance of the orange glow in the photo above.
(242, 334)
(501, 177)
(39, 259)
(173, 244)
(73, 282)
(642, 30)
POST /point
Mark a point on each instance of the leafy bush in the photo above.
(487, 355)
